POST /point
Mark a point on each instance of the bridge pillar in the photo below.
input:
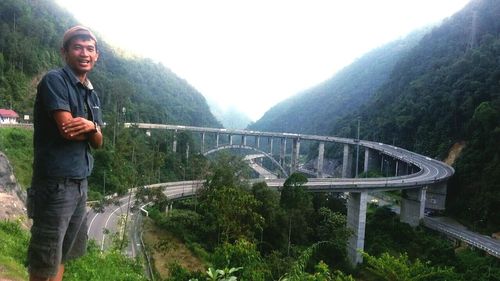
(282, 152)
(435, 197)
(372, 159)
(230, 139)
(401, 168)
(244, 139)
(270, 141)
(174, 145)
(295, 155)
(217, 140)
(347, 162)
(356, 222)
(257, 141)
(412, 206)
(321, 153)
(202, 142)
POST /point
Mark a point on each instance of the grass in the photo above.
(17, 145)
(13, 246)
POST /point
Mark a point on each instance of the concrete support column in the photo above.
(174, 145)
(366, 165)
(257, 141)
(230, 139)
(244, 140)
(401, 168)
(412, 206)
(202, 142)
(217, 140)
(347, 162)
(169, 208)
(319, 166)
(435, 196)
(295, 154)
(271, 146)
(372, 160)
(282, 152)
(382, 164)
(356, 222)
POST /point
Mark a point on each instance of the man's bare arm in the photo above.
(77, 129)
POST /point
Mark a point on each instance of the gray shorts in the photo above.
(59, 231)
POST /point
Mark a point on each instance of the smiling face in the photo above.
(81, 54)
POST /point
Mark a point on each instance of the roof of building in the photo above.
(8, 113)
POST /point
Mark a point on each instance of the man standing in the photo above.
(67, 120)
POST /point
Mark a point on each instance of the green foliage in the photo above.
(97, 266)
(220, 274)
(16, 143)
(244, 255)
(388, 234)
(474, 265)
(13, 246)
(321, 271)
(178, 273)
(387, 267)
(184, 224)
(296, 201)
(332, 228)
(228, 209)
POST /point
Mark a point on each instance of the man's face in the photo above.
(81, 56)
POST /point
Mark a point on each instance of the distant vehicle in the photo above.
(432, 212)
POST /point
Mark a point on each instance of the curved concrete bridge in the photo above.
(422, 179)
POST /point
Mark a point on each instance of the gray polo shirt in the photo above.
(55, 156)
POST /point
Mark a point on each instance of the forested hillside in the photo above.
(444, 90)
(316, 110)
(30, 37)
(131, 90)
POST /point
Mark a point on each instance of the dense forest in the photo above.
(442, 90)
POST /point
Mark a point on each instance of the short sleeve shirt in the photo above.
(55, 156)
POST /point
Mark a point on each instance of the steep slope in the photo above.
(30, 34)
(317, 109)
(447, 91)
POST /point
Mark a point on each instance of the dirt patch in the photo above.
(166, 249)
(454, 152)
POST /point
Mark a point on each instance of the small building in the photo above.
(8, 116)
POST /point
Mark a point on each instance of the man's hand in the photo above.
(78, 126)
(77, 129)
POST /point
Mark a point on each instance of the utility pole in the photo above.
(104, 184)
(357, 149)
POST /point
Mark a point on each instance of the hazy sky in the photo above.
(253, 54)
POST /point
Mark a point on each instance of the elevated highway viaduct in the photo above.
(422, 179)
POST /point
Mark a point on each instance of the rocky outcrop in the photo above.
(12, 197)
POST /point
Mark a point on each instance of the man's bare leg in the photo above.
(58, 277)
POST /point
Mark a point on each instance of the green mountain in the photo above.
(316, 110)
(443, 90)
(30, 34)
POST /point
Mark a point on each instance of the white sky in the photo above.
(253, 54)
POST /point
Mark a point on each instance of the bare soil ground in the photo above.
(454, 152)
(166, 249)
